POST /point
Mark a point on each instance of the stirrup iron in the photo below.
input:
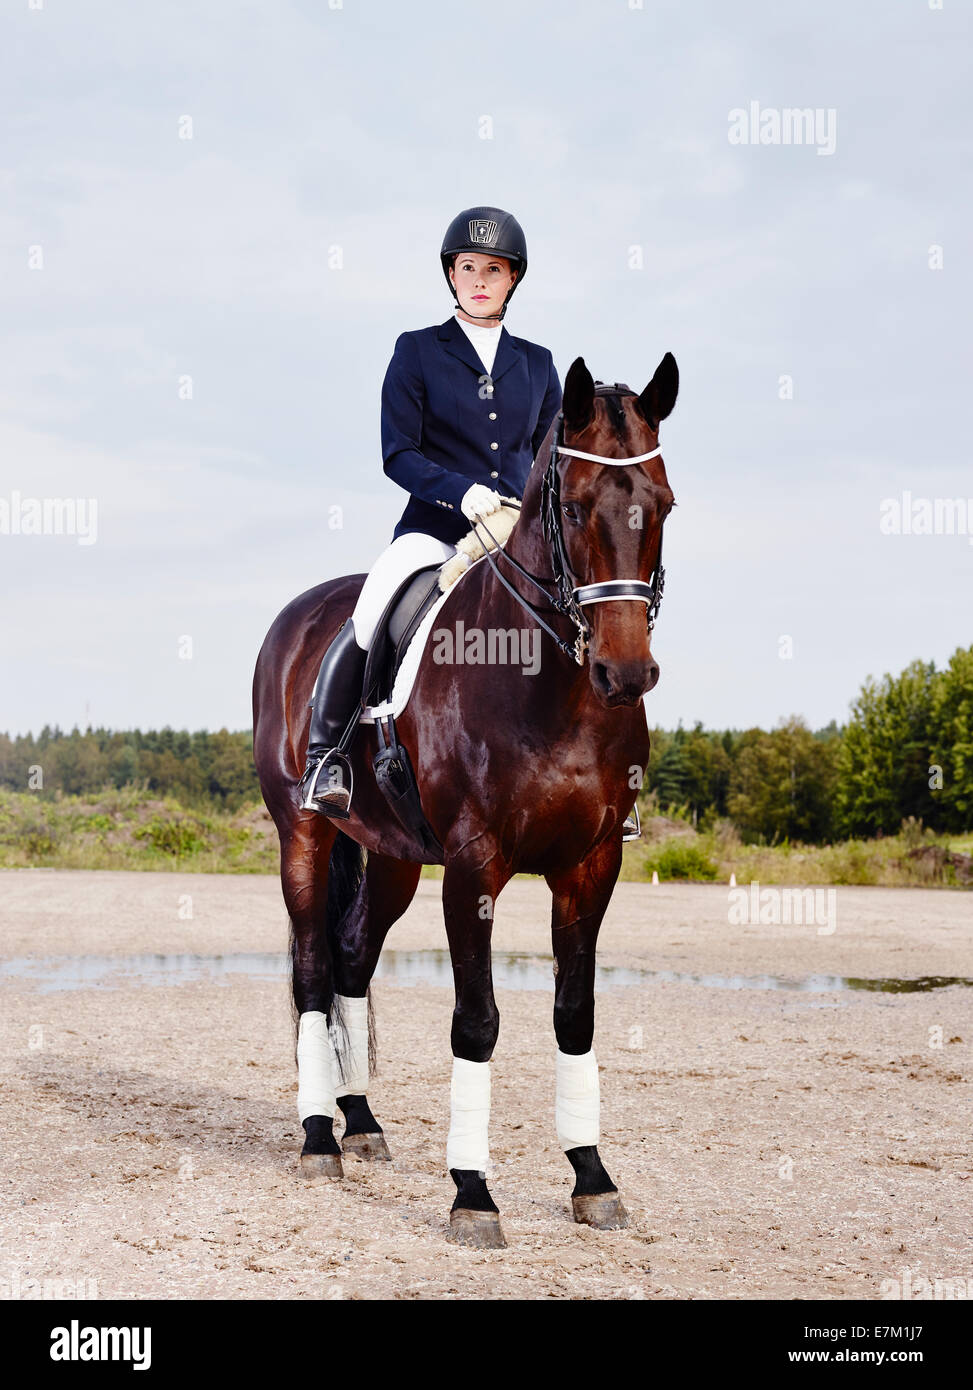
(315, 800)
(632, 828)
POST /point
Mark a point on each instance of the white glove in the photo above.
(479, 501)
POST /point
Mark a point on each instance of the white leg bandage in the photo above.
(468, 1145)
(578, 1105)
(353, 1053)
(315, 1067)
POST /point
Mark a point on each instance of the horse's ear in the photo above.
(658, 398)
(578, 399)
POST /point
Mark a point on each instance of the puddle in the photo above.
(110, 972)
(510, 971)
(813, 984)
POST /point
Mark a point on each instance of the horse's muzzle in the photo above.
(623, 682)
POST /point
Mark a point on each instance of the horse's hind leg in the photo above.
(318, 870)
(581, 897)
(385, 892)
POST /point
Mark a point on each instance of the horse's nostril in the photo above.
(623, 684)
(602, 679)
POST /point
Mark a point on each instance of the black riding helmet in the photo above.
(488, 231)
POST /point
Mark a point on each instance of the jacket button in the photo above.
(494, 445)
(494, 475)
(493, 414)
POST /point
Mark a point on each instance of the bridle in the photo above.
(570, 598)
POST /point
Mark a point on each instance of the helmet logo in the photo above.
(483, 233)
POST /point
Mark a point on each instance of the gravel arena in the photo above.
(778, 1125)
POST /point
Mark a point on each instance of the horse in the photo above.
(518, 772)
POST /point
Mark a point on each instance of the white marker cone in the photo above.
(655, 878)
(733, 880)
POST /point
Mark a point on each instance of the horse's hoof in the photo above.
(322, 1166)
(602, 1210)
(478, 1229)
(367, 1146)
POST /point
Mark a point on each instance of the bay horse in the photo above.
(519, 772)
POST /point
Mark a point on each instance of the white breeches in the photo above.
(403, 557)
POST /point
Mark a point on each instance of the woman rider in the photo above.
(465, 407)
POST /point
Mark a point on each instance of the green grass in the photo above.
(672, 848)
(132, 829)
(677, 859)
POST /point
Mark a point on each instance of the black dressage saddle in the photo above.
(396, 628)
(392, 766)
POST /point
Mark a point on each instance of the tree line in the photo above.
(906, 751)
(198, 769)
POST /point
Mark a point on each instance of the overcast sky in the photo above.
(136, 263)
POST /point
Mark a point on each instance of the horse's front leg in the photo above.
(581, 897)
(470, 886)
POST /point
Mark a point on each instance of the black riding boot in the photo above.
(327, 782)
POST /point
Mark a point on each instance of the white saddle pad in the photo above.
(405, 677)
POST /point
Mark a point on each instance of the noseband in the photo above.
(569, 598)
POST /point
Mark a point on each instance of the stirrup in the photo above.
(333, 799)
(632, 828)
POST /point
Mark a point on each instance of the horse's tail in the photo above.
(346, 869)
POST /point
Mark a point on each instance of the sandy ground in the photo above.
(767, 1143)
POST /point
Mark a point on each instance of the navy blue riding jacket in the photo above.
(446, 425)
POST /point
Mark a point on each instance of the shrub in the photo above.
(679, 859)
(175, 837)
(36, 839)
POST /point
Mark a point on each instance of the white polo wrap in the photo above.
(578, 1106)
(468, 1145)
(353, 1054)
(315, 1066)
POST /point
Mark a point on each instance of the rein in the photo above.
(570, 598)
(569, 649)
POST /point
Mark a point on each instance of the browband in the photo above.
(600, 458)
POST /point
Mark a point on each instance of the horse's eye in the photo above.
(572, 511)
